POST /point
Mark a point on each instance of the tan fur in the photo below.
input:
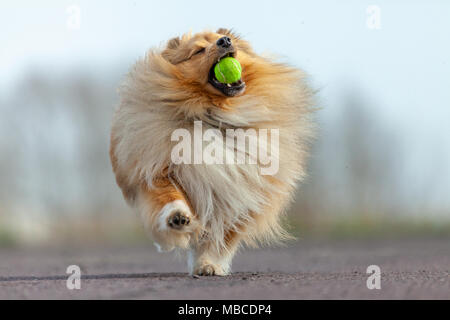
(228, 204)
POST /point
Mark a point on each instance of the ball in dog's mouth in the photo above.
(228, 89)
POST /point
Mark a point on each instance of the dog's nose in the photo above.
(224, 42)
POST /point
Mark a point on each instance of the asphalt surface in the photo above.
(410, 269)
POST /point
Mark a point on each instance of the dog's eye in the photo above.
(200, 51)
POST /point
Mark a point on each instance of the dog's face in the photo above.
(195, 57)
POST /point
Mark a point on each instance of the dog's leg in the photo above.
(167, 215)
(206, 259)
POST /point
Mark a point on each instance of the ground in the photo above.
(327, 269)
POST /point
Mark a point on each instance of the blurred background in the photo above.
(380, 166)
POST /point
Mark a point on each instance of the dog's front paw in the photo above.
(208, 269)
(175, 215)
(178, 220)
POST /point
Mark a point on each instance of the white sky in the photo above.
(403, 68)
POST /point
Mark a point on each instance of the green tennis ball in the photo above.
(228, 70)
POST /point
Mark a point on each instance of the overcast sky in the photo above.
(403, 68)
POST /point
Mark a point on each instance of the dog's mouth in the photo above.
(228, 89)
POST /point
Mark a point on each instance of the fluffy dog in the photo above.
(209, 209)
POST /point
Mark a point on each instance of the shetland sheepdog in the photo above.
(210, 209)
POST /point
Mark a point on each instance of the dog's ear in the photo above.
(170, 52)
(173, 43)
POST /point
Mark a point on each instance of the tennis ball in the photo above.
(228, 70)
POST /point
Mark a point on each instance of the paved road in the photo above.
(413, 269)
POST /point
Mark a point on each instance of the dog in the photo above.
(210, 210)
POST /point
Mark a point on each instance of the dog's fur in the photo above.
(219, 206)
